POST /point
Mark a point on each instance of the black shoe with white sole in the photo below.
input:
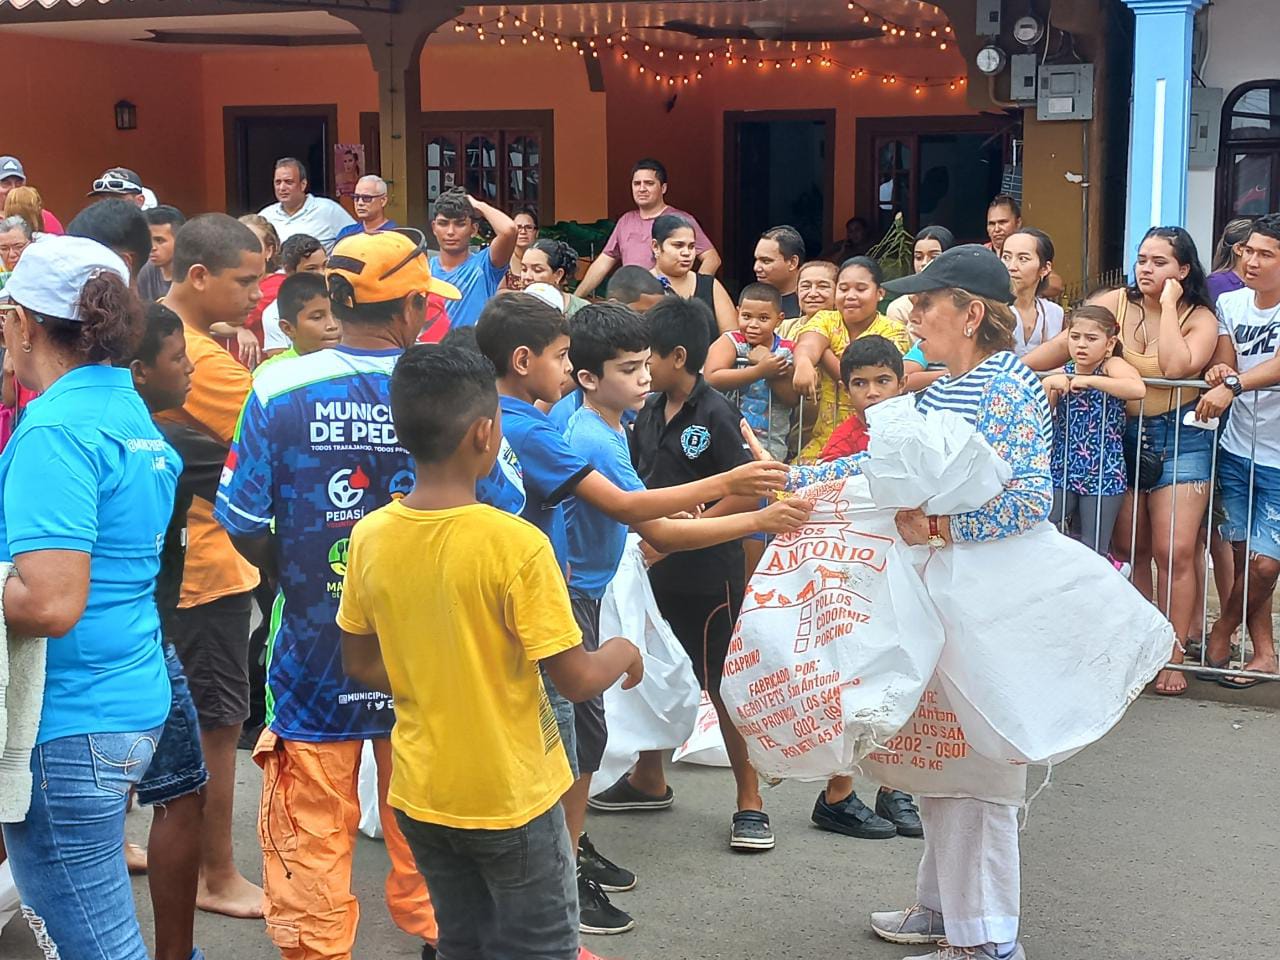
(594, 866)
(623, 796)
(751, 832)
(596, 914)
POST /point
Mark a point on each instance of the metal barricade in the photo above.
(1162, 575)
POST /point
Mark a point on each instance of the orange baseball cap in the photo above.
(387, 266)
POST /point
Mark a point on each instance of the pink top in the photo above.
(51, 224)
(632, 238)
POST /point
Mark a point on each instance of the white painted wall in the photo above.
(1242, 47)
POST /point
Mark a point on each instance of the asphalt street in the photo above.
(1159, 843)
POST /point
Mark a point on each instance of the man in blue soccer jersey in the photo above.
(315, 451)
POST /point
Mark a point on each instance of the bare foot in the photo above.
(135, 858)
(1171, 683)
(236, 897)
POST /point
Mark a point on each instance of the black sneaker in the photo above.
(428, 952)
(602, 870)
(751, 832)
(596, 914)
(900, 809)
(851, 817)
(623, 796)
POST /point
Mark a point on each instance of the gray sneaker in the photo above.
(916, 924)
(946, 951)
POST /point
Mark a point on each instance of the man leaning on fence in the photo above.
(1245, 364)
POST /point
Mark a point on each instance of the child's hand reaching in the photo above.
(774, 365)
(753, 442)
(785, 516)
(633, 673)
(757, 479)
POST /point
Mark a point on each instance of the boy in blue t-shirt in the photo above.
(475, 272)
(527, 341)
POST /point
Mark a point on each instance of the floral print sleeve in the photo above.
(838, 469)
(1007, 418)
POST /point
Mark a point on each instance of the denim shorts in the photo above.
(1259, 522)
(1194, 462)
(563, 709)
(177, 767)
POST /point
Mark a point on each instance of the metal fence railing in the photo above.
(1166, 540)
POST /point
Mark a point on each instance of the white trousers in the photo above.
(970, 870)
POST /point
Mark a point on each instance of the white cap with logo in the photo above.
(52, 272)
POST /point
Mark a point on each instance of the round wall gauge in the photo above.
(1028, 31)
(991, 60)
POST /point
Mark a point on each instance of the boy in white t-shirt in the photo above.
(1245, 363)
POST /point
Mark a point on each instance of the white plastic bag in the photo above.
(705, 745)
(367, 791)
(932, 757)
(9, 899)
(835, 642)
(1047, 644)
(659, 713)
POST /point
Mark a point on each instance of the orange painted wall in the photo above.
(60, 96)
(640, 124)
(454, 77)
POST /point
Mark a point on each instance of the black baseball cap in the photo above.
(118, 181)
(970, 267)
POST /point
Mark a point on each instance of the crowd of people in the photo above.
(420, 457)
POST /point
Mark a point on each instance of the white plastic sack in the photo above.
(835, 642)
(659, 713)
(1039, 671)
(932, 757)
(9, 900)
(367, 791)
(705, 745)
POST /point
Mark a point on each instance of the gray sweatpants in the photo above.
(1088, 518)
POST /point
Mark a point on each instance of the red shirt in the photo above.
(847, 439)
(51, 224)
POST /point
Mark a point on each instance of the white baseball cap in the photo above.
(52, 272)
(547, 294)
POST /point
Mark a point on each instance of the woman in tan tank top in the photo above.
(1168, 330)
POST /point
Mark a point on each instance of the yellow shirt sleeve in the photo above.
(537, 607)
(893, 331)
(821, 322)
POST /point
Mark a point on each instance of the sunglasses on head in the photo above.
(115, 185)
(420, 247)
(367, 197)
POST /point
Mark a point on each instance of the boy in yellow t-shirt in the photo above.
(449, 606)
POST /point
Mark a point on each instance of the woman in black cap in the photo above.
(968, 884)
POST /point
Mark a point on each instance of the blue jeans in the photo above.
(177, 768)
(66, 854)
(1251, 504)
(500, 894)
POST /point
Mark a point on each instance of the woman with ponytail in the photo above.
(553, 262)
(86, 492)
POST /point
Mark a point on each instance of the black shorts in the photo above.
(703, 623)
(588, 716)
(212, 641)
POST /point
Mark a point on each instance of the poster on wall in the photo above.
(348, 161)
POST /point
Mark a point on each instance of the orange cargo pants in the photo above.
(307, 824)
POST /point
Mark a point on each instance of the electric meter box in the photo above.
(1022, 77)
(988, 24)
(1065, 92)
(1206, 119)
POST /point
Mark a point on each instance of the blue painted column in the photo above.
(1160, 120)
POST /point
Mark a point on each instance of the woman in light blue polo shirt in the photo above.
(86, 491)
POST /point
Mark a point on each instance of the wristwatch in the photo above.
(935, 535)
(1233, 384)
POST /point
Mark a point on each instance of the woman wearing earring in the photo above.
(674, 252)
(1028, 256)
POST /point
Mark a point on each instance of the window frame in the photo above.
(1229, 147)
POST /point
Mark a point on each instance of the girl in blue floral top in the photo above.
(1087, 460)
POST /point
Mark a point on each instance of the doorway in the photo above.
(780, 170)
(256, 137)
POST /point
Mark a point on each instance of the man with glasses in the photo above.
(370, 201)
(298, 211)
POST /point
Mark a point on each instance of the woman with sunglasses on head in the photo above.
(86, 492)
(1167, 330)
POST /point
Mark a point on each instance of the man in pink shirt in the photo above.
(12, 175)
(631, 243)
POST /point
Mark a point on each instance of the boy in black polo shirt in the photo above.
(687, 431)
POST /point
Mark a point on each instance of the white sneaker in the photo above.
(946, 951)
(916, 924)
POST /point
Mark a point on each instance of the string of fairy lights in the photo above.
(680, 67)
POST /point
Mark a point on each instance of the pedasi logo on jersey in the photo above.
(347, 488)
(695, 441)
(338, 557)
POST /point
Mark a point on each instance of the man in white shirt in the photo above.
(300, 212)
(1247, 360)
